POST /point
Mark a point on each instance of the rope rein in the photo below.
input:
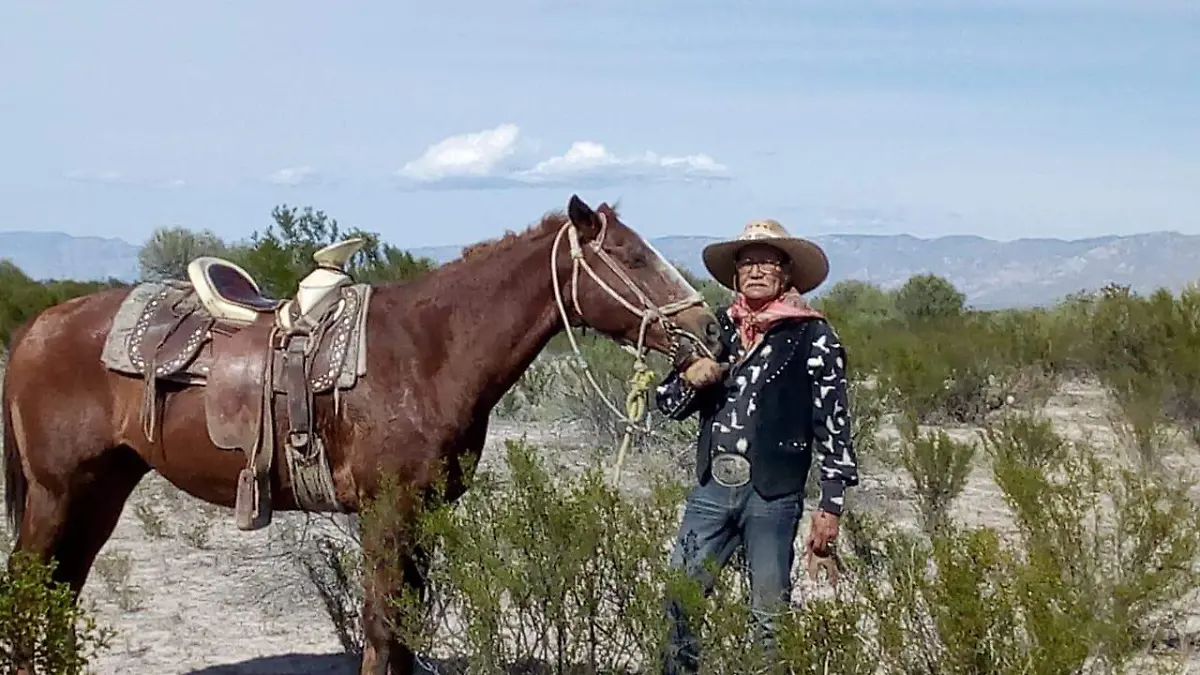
(643, 377)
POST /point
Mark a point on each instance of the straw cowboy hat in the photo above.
(808, 265)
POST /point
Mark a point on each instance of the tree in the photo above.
(280, 256)
(855, 299)
(927, 297)
(170, 249)
(395, 265)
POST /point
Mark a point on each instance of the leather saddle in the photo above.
(247, 349)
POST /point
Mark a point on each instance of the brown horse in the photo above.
(443, 350)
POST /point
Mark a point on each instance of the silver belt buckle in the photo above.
(731, 469)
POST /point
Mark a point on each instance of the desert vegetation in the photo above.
(1028, 505)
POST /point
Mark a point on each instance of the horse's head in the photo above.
(619, 285)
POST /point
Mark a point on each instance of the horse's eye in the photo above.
(638, 260)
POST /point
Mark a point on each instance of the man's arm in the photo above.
(837, 461)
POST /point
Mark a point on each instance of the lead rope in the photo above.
(642, 379)
(636, 407)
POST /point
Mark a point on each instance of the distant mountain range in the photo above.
(1024, 272)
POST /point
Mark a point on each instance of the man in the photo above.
(775, 393)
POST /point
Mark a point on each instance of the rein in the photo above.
(643, 377)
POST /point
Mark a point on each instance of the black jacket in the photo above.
(796, 382)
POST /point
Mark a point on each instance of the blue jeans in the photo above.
(716, 521)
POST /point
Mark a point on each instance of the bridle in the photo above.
(648, 312)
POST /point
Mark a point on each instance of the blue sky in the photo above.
(448, 123)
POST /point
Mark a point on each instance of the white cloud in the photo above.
(293, 176)
(592, 162)
(487, 159)
(473, 155)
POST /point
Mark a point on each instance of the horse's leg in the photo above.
(40, 530)
(71, 525)
(396, 572)
(41, 526)
(95, 512)
(416, 571)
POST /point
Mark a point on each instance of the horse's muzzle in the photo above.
(702, 329)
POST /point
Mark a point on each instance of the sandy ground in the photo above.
(189, 593)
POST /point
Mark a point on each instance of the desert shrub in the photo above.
(928, 297)
(1108, 548)
(611, 367)
(537, 388)
(961, 369)
(575, 400)
(948, 371)
(22, 298)
(535, 570)
(854, 300)
(1101, 562)
(332, 565)
(41, 625)
(1146, 351)
(938, 465)
(538, 572)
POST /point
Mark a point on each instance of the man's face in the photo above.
(760, 272)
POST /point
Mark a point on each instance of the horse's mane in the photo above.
(549, 222)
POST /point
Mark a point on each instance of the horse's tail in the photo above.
(15, 482)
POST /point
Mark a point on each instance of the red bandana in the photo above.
(751, 324)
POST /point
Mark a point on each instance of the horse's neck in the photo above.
(506, 316)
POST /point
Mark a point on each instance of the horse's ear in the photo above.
(585, 219)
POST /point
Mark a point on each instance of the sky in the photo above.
(446, 123)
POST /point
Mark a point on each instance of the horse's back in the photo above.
(55, 374)
(72, 329)
(59, 349)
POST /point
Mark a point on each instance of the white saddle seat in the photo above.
(231, 294)
(227, 291)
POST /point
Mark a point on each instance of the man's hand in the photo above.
(703, 372)
(822, 533)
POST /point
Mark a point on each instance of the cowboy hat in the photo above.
(807, 267)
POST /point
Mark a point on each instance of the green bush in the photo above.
(938, 466)
(928, 297)
(534, 391)
(1100, 564)
(1146, 351)
(22, 298)
(947, 371)
(851, 300)
(555, 389)
(41, 625)
(565, 574)
(531, 569)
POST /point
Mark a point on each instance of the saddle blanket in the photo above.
(115, 355)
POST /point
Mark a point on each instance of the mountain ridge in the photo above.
(992, 273)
